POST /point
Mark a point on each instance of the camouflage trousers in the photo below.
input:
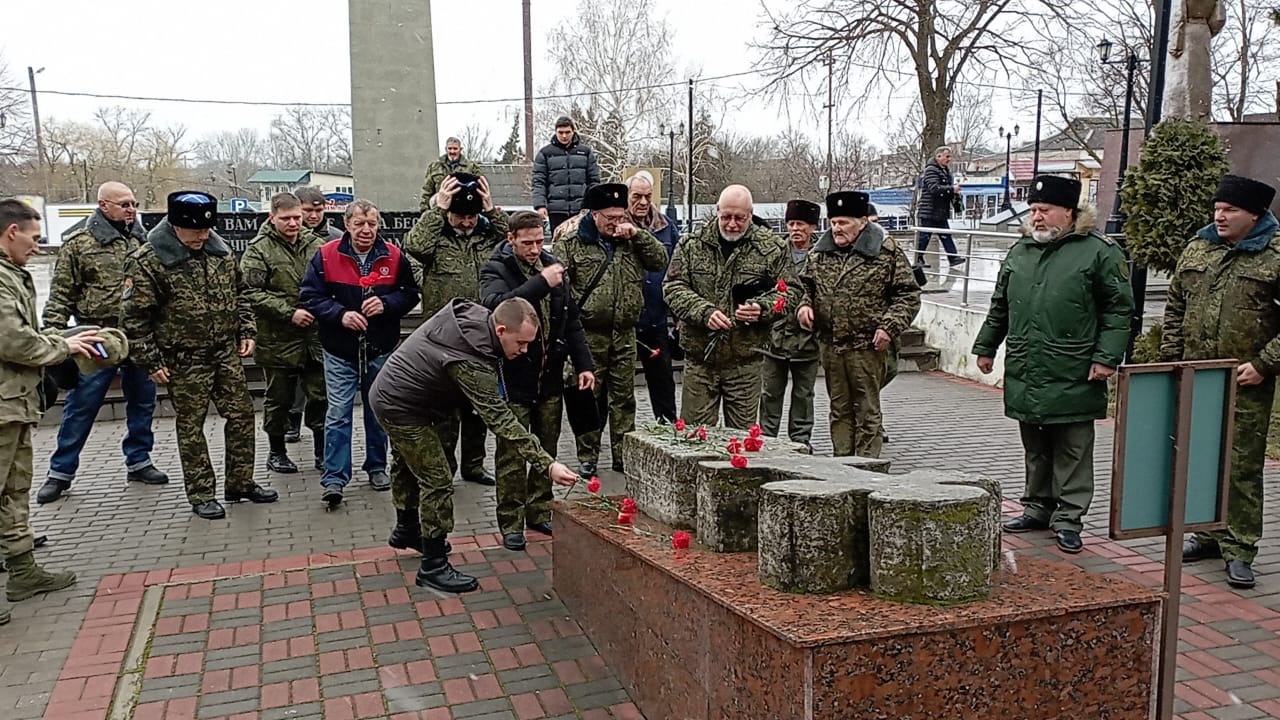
(282, 387)
(614, 354)
(524, 494)
(1059, 461)
(773, 391)
(16, 463)
(854, 379)
(468, 424)
(707, 387)
(194, 380)
(420, 475)
(1248, 456)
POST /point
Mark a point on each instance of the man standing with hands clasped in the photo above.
(1061, 307)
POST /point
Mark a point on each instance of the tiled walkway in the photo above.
(288, 611)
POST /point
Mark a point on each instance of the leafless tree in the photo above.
(16, 136)
(1246, 58)
(942, 41)
(312, 138)
(477, 143)
(121, 144)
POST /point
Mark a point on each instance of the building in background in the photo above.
(270, 182)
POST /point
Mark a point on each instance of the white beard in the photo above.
(1047, 235)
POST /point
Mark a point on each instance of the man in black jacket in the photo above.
(520, 268)
(562, 172)
(939, 193)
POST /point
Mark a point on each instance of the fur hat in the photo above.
(605, 195)
(1245, 193)
(192, 209)
(1054, 190)
(847, 203)
(804, 211)
(467, 201)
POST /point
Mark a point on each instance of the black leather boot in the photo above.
(436, 572)
(317, 439)
(278, 459)
(407, 534)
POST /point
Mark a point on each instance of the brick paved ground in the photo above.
(292, 611)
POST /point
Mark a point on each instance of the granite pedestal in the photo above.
(693, 635)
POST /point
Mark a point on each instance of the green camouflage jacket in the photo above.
(787, 340)
(451, 263)
(24, 350)
(180, 304)
(89, 274)
(701, 280)
(1223, 300)
(618, 297)
(273, 269)
(441, 169)
(858, 290)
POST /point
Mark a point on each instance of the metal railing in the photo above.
(958, 235)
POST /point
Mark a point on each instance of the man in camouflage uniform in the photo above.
(791, 349)
(451, 358)
(87, 281)
(859, 296)
(606, 258)
(24, 350)
(1061, 306)
(1223, 304)
(520, 268)
(189, 322)
(288, 346)
(450, 163)
(722, 287)
(451, 246)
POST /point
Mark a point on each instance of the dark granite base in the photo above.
(693, 635)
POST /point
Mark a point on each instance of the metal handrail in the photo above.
(968, 255)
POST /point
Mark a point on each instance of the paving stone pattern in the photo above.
(292, 611)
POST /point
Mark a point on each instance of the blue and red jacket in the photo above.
(334, 285)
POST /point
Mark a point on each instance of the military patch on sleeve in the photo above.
(128, 288)
(1124, 267)
(255, 277)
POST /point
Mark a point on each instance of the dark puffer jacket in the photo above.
(937, 192)
(562, 174)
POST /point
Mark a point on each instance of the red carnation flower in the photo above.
(624, 518)
(369, 280)
(702, 432)
(755, 430)
(780, 304)
(679, 423)
(629, 506)
(753, 444)
(680, 540)
(782, 285)
(738, 461)
(735, 446)
(593, 485)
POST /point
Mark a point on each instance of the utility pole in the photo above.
(688, 170)
(35, 116)
(1035, 163)
(830, 63)
(528, 82)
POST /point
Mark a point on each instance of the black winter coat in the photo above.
(535, 375)
(562, 174)
(937, 192)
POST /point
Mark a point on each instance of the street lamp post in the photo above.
(671, 132)
(1008, 171)
(1115, 222)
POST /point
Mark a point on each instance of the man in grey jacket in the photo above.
(562, 172)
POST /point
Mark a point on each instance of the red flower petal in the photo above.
(624, 518)
(680, 540)
(738, 461)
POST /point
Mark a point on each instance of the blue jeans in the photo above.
(80, 409)
(341, 379)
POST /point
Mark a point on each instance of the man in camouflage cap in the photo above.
(791, 349)
(605, 259)
(1223, 304)
(189, 322)
(288, 346)
(859, 296)
(450, 163)
(87, 281)
(1061, 307)
(24, 350)
(452, 241)
(723, 288)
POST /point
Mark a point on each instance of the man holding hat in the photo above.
(189, 321)
(605, 258)
(24, 350)
(86, 285)
(450, 163)
(452, 241)
(1222, 304)
(792, 350)
(1061, 306)
(562, 172)
(859, 296)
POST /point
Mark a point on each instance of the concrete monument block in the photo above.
(807, 536)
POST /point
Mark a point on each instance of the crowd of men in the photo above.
(518, 335)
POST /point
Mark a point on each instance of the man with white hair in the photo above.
(653, 341)
(88, 280)
(452, 161)
(726, 284)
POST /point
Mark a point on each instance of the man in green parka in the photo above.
(1222, 304)
(1061, 307)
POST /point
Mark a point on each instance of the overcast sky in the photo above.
(235, 49)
